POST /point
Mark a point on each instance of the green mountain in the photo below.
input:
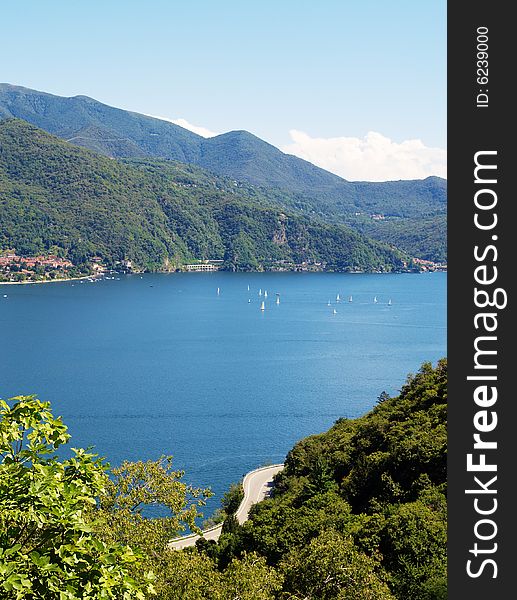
(423, 237)
(119, 133)
(57, 197)
(242, 156)
(101, 128)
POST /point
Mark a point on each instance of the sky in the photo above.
(357, 87)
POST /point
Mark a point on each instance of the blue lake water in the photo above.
(140, 367)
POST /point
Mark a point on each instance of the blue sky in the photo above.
(332, 69)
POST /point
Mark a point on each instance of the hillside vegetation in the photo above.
(60, 198)
(359, 513)
(246, 158)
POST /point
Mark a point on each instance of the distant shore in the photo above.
(48, 280)
(441, 268)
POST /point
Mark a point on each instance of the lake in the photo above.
(163, 364)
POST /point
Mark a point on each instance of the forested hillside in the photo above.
(360, 511)
(237, 154)
(60, 198)
(246, 158)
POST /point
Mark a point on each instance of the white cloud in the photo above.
(372, 158)
(202, 131)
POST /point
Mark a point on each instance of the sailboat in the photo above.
(249, 300)
(248, 288)
(338, 298)
(265, 294)
(335, 312)
(218, 291)
(375, 300)
(260, 292)
(278, 298)
(389, 302)
(263, 305)
(328, 303)
(350, 299)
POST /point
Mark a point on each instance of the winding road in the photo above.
(257, 486)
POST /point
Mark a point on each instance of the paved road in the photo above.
(257, 485)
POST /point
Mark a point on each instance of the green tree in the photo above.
(332, 567)
(186, 575)
(232, 498)
(250, 578)
(413, 543)
(47, 547)
(189, 575)
(119, 515)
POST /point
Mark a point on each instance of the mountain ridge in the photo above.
(11, 105)
(151, 136)
(60, 198)
(391, 211)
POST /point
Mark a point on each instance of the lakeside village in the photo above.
(50, 267)
(28, 269)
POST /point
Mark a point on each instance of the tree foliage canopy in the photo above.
(47, 548)
(68, 530)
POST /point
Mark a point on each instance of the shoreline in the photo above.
(223, 271)
(48, 280)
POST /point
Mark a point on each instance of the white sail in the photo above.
(338, 298)
(389, 302)
(335, 311)
(350, 299)
(278, 299)
(375, 299)
(263, 305)
(260, 292)
(265, 294)
(218, 291)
